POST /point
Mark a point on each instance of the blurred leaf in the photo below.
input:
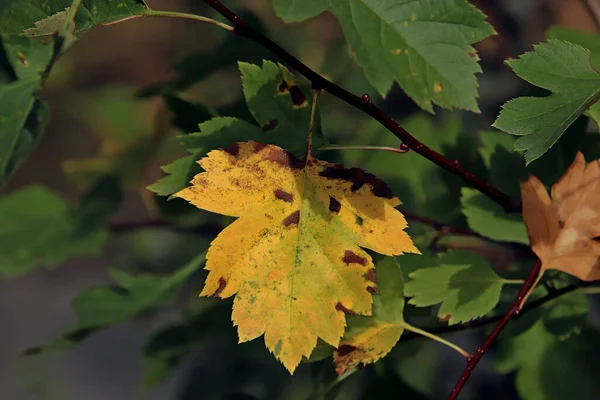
(550, 369)
(271, 93)
(196, 67)
(99, 203)
(369, 338)
(562, 68)
(101, 306)
(38, 228)
(490, 220)
(186, 116)
(425, 47)
(566, 315)
(127, 139)
(506, 168)
(464, 283)
(168, 346)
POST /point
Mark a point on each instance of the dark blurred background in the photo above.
(95, 117)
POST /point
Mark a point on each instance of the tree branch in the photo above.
(593, 9)
(364, 104)
(513, 311)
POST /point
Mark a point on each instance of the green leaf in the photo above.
(562, 68)
(463, 282)
(99, 203)
(101, 306)
(167, 346)
(566, 315)
(505, 167)
(38, 228)
(367, 339)
(489, 219)
(550, 369)
(424, 46)
(279, 104)
(590, 41)
(40, 18)
(22, 117)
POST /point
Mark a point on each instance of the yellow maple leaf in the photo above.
(294, 258)
(562, 229)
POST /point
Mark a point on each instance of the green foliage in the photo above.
(280, 106)
(99, 307)
(562, 68)
(489, 219)
(39, 228)
(40, 19)
(463, 283)
(549, 369)
(424, 46)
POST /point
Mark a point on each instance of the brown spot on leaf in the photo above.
(258, 146)
(371, 276)
(22, 58)
(292, 219)
(232, 149)
(334, 205)
(358, 177)
(351, 257)
(298, 98)
(446, 318)
(340, 307)
(270, 126)
(283, 87)
(222, 284)
(281, 157)
(283, 195)
(345, 349)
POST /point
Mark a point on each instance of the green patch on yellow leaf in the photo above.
(368, 339)
(294, 258)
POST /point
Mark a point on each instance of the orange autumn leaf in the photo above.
(562, 229)
(294, 258)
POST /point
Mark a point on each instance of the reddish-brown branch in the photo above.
(364, 104)
(513, 311)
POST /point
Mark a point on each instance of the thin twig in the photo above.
(173, 14)
(593, 9)
(117, 228)
(364, 104)
(376, 148)
(512, 312)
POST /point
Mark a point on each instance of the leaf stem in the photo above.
(513, 281)
(380, 148)
(311, 125)
(513, 311)
(174, 14)
(364, 104)
(438, 339)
